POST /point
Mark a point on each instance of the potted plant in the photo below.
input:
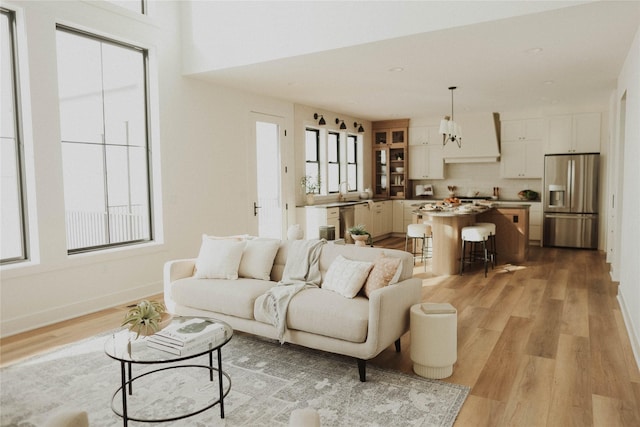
(147, 318)
(311, 186)
(360, 235)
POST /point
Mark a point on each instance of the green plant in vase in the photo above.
(146, 318)
(360, 235)
(311, 186)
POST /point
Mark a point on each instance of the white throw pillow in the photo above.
(219, 258)
(257, 258)
(346, 276)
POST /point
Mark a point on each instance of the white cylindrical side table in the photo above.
(434, 336)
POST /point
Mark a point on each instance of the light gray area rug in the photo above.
(268, 382)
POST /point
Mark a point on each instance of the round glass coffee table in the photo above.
(125, 348)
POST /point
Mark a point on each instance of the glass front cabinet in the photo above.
(390, 160)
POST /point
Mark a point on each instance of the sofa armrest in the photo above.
(389, 311)
(174, 270)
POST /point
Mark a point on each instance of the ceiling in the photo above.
(560, 58)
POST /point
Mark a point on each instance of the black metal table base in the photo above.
(126, 388)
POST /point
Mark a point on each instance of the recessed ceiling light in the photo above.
(396, 69)
(534, 51)
(548, 82)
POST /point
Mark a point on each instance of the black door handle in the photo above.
(255, 208)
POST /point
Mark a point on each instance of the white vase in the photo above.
(310, 199)
(295, 232)
(360, 239)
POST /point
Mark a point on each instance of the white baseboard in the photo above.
(33, 320)
(634, 338)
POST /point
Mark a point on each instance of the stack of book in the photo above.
(190, 335)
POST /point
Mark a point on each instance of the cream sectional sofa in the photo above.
(317, 318)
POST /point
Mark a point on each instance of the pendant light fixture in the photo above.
(449, 128)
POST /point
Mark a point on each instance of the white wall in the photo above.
(629, 267)
(200, 143)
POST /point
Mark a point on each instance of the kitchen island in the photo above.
(512, 225)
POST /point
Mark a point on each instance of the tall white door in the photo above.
(266, 170)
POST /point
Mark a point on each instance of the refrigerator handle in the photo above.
(571, 182)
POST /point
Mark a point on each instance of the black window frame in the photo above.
(354, 138)
(148, 151)
(315, 162)
(18, 141)
(336, 163)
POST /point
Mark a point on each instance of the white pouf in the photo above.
(434, 336)
(306, 417)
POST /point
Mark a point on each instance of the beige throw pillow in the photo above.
(386, 271)
(257, 258)
(346, 276)
(219, 258)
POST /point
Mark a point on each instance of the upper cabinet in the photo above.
(426, 162)
(425, 135)
(522, 130)
(522, 154)
(574, 133)
(390, 158)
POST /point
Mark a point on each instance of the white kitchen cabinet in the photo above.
(424, 135)
(522, 159)
(387, 217)
(535, 221)
(398, 216)
(574, 133)
(362, 215)
(426, 162)
(381, 219)
(377, 220)
(522, 153)
(522, 130)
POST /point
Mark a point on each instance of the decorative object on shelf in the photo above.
(358, 126)
(342, 125)
(147, 318)
(370, 191)
(449, 128)
(452, 190)
(322, 121)
(360, 235)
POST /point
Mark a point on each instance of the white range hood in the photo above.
(480, 139)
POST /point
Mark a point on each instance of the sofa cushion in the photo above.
(326, 313)
(232, 297)
(257, 258)
(219, 258)
(346, 276)
(386, 271)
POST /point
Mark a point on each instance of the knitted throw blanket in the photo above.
(301, 271)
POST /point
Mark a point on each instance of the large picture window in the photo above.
(12, 210)
(104, 133)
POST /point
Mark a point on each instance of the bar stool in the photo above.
(492, 240)
(420, 232)
(474, 235)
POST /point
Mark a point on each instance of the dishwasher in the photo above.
(347, 214)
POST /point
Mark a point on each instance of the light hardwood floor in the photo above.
(540, 344)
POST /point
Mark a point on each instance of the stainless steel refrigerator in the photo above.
(571, 200)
